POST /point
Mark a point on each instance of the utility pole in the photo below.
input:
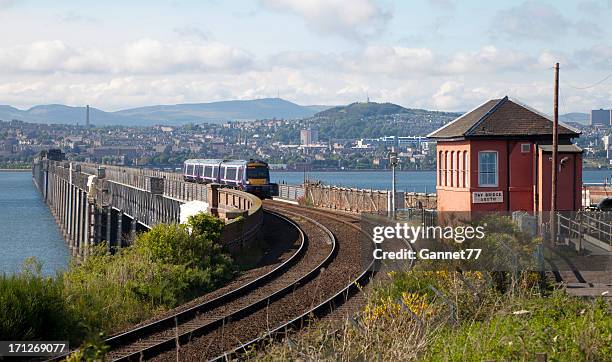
(555, 145)
(393, 163)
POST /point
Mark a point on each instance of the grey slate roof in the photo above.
(501, 117)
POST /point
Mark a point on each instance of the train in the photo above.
(252, 176)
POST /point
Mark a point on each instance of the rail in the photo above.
(594, 226)
(317, 311)
(135, 334)
(165, 345)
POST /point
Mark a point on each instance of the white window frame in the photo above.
(496, 168)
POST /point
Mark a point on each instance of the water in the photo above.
(27, 227)
(419, 181)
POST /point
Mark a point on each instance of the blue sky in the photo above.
(435, 54)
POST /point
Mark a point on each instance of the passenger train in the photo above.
(252, 176)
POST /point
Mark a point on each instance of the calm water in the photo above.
(419, 181)
(27, 227)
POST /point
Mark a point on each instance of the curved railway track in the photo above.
(317, 250)
(144, 338)
(316, 294)
(323, 273)
(324, 308)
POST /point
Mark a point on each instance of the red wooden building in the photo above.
(497, 157)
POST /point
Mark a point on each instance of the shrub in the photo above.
(107, 293)
(33, 307)
(166, 266)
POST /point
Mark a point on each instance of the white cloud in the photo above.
(150, 71)
(7, 3)
(530, 20)
(192, 31)
(489, 59)
(142, 56)
(352, 19)
(542, 21)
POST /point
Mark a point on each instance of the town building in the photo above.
(497, 157)
(602, 117)
(309, 136)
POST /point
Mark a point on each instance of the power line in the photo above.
(590, 86)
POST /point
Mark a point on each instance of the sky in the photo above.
(433, 54)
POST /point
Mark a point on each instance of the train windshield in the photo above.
(258, 172)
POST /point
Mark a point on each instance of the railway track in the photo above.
(146, 339)
(318, 294)
(323, 273)
(317, 250)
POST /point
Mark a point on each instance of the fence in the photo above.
(291, 192)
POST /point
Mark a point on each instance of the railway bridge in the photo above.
(316, 260)
(92, 203)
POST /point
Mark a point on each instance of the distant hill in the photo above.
(165, 114)
(221, 111)
(576, 117)
(58, 113)
(360, 110)
(370, 120)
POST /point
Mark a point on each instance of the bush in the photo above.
(166, 266)
(33, 307)
(107, 293)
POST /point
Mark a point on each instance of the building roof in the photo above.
(499, 118)
(561, 148)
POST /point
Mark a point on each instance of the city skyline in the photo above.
(437, 54)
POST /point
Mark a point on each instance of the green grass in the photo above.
(483, 324)
(563, 327)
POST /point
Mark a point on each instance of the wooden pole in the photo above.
(553, 195)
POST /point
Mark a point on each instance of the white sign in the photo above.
(192, 208)
(487, 197)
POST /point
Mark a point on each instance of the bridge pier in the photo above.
(133, 229)
(109, 227)
(119, 237)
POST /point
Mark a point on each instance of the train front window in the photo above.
(258, 172)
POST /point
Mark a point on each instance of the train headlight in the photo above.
(248, 182)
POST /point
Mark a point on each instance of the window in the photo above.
(215, 171)
(190, 170)
(199, 170)
(208, 171)
(440, 168)
(230, 174)
(525, 148)
(258, 172)
(239, 174)
(487, 168)
(452, 169)
(460, 169)
(447, 168)
(466, 172)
